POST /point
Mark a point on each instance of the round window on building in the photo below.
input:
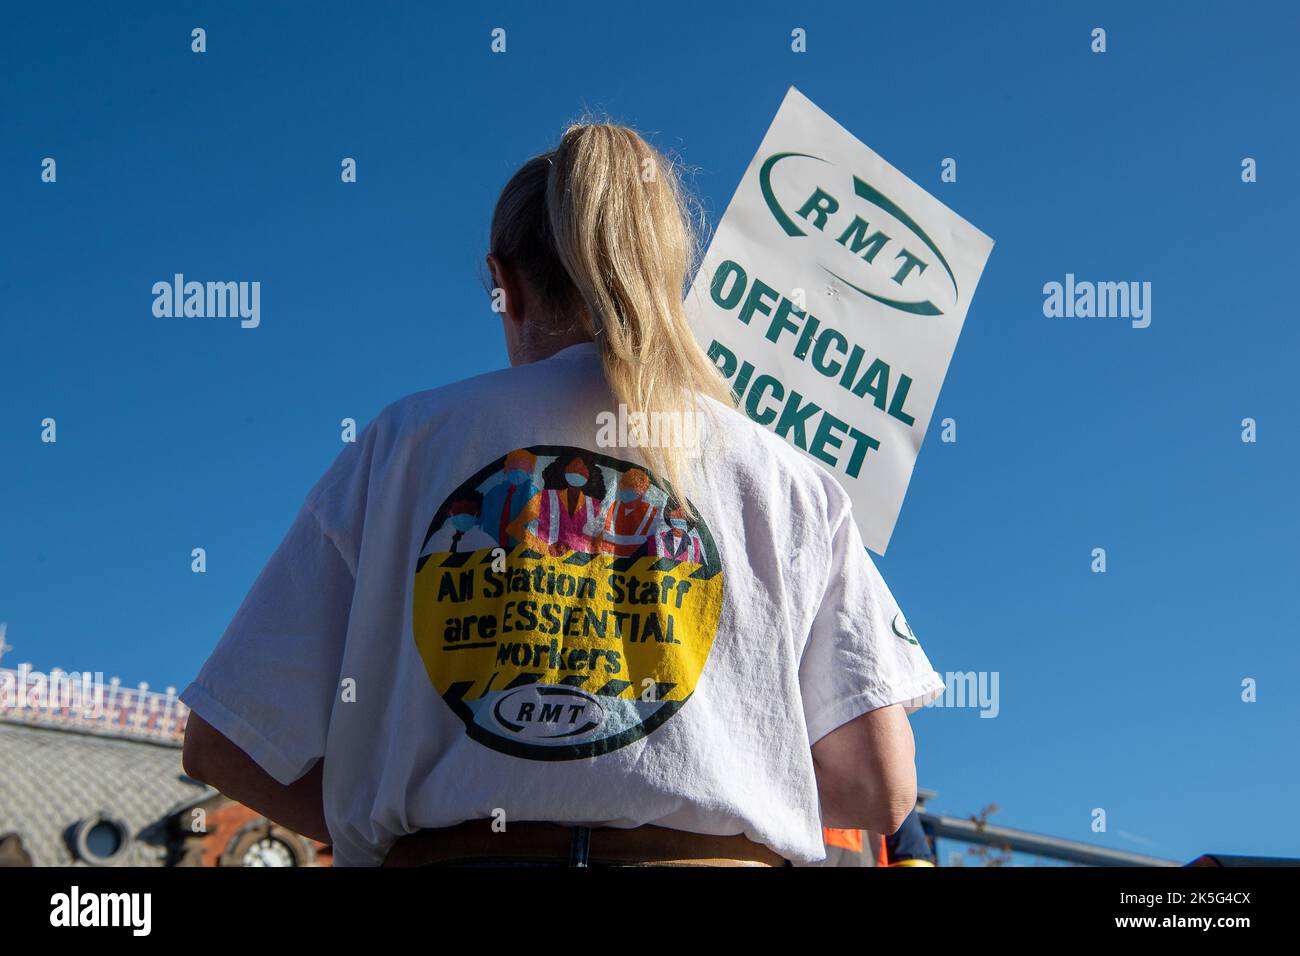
(102, 841)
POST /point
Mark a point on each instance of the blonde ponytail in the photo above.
(614, 253)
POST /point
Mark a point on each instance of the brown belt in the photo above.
(551, 842)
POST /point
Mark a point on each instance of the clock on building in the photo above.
(269, 851)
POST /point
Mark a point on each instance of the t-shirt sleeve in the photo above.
(860, 654)
(270, 685)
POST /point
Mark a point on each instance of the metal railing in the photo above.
(83, 701)
(1035, 844)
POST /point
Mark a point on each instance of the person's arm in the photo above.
(861, 674)
(519, 528)
(597, 526)
(212, 758)
(866, 771)
(261, 706)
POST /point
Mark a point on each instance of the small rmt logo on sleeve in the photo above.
(130, 910)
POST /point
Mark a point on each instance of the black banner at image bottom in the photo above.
(907, 904)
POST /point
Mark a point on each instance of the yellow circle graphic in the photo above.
(565, 602)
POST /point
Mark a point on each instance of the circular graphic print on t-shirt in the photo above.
(565, 602)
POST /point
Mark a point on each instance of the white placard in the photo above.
(832, 296)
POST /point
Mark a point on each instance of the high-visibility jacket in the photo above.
(628, 526)
(848, 839)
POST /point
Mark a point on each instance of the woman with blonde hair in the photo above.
(413, 706)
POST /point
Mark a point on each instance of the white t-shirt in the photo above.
(553, 678)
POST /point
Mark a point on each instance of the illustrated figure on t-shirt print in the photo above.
(632, 520)
(460, 529)
(503, 502)
(566, 515)
(678, 540)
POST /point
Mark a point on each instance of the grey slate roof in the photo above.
(53, 778)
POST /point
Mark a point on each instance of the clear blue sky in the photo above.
(1119, 691)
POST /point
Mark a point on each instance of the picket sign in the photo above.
(832, 296)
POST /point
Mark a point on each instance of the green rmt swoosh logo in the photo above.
(904, 630)
(822, 210)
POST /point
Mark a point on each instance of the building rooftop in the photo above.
(75, 748)
(56, 778)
